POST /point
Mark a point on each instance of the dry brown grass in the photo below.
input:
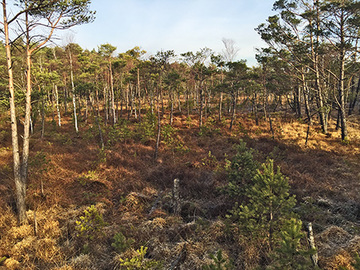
(124, 182)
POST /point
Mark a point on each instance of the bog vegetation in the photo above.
(191, 161)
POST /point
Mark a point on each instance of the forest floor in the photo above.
(133, 192)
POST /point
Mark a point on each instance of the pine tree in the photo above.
(269, 204)
(242, 170)
(290, 254)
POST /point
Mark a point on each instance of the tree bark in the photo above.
(19, 185)
(354, 98)
(342, 112)
(112, 93)
(73, 92)
(138, 91)
(57, 104)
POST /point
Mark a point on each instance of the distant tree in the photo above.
(200, 72)
(230, 51)
(234, 83)
(107, 50)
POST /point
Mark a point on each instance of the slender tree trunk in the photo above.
(159, 129)
(171, 107)
(315, 59)
(188, 102)
(298, 101)
(139, 93)
(57, 104)
(342, 112)
(86, 109)
(106, 105)
(42, 117)
(265, 101)
(112, 94)
(73, 92)
(19, 185)
(306, 94)
(128, 101)
(220, 105)
(161, 95)
(234, 97)
(201, 104)
(354, 98)
(26, 137)
(256, 110)
(65, 95)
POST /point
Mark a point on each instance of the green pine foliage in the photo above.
(242, 170)
(219, 262)
(268, 204)
(356, 264)
(291, 255)
(145, 130)
(90, 224)
(121, 243)
(171, 139)
(139, 262)
(119, 133)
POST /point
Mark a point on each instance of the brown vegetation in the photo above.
(133, 193)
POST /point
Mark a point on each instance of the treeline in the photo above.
(310, 67)
(73, 80)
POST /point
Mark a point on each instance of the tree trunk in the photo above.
(57, 104)
(342, 112)
(26, 137)
(315, 59)
(19, 185)
(234, 97)
(112, 94)
(256, 110)
(42, 117)
(298, 101)
(354, 98)
(65, 96)
(73, 92)
(171, 107)
(306, 98)
(106, 105)
(138, 91)
(159, 130)
(201, 105)
(220, 105)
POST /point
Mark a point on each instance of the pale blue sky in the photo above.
(180, 25)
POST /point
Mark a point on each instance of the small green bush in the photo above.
(146, 128)
(90, 224)
(121, 243)
(208, 128)
(119, 132)
(169, 137)
(241, 170)
(291, 254)
(219, 262)
(140, 262)
(268, 205)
